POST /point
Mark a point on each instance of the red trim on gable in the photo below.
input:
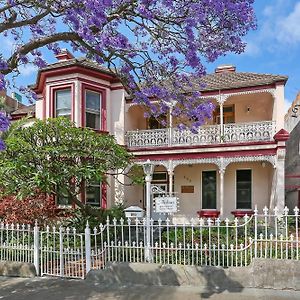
(65, 70)
(81, 79)
(103, 112)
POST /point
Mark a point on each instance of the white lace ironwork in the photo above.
(247, 132)
(147, 138)
(206, 135)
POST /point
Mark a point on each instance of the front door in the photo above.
(209, 190)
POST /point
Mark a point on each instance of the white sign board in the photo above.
(165, 205)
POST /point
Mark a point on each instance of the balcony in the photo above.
(207, 135)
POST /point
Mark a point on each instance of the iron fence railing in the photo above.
(65, 252)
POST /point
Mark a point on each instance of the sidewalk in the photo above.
(46, 288)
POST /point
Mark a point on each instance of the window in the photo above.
(62, 199)
(157, 123)
(209, 190)
(228, 114)
(93, 109)
(243, 189)
(93, 195)
(159, 177)
(63, 103)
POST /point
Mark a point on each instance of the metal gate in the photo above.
(62, 253)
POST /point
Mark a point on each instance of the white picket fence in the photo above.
(205, 242)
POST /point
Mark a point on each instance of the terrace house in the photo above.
(234, 162)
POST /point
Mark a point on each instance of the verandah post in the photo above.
(36, 248)
(87, 236)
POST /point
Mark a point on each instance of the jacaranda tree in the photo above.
(156, 47)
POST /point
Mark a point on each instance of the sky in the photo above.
(273, 48)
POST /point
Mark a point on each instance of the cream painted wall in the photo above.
(260, 107)
(279, 109)
(190, 203)
(134, 118)
(116, 107)
(261, 185)
(39, 109)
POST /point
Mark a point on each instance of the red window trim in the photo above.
(53, 90)
(103, 112)
(103, 200)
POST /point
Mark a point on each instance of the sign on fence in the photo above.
(165, 205)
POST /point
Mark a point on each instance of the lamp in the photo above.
(148, 168)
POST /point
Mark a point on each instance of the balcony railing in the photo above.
(206, 135)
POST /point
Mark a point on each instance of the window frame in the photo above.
(201, 189)
(160, 180)
(103, 109)
(55, 102)
(98, 185)
(226, 114)
(52, 104)
(63, 206)
(251, 191)
(88, 110)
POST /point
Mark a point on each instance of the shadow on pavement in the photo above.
(217, 282)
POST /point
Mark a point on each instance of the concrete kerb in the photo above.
(17, 269)
(261, 273)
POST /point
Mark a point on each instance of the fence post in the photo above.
(87, 237)
(255, 231)
(36, 248)
(61, 251)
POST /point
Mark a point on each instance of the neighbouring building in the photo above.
(9, 104)
(292, 162)
(234, 162)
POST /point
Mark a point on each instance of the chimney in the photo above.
(225, 69)
(64, 55)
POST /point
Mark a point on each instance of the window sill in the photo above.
(208, 213)
(240, 213)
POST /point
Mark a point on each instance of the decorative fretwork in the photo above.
(147, 138)
(205, 135)
(246, 132)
